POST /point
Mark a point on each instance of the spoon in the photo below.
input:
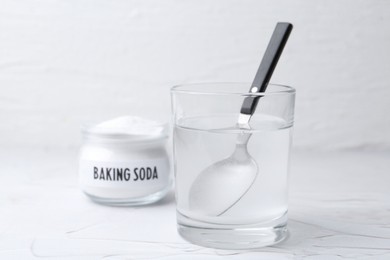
(222, 185)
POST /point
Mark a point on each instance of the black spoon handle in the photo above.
(268, 63)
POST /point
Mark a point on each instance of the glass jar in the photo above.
(123, 169)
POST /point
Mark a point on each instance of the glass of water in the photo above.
(231, 181)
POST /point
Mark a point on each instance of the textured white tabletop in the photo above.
(339, 208)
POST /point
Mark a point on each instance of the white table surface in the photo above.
(339, 208)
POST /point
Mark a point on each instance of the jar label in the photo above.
(125, 174)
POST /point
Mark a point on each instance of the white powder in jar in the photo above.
(132, 126)
(123, 161)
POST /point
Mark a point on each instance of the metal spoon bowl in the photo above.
(208, 195)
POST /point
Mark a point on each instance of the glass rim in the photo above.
(181, 89)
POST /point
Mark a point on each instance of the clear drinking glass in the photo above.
(230, 193)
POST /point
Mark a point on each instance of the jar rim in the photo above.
(107, 137)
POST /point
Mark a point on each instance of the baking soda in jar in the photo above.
(124, 161)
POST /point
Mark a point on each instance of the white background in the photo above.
(66, 62)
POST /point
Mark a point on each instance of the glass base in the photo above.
(124, 202)
(233, 236)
